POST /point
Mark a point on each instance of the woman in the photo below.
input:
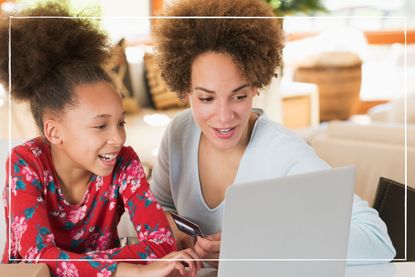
(219, 66)
(69, 187)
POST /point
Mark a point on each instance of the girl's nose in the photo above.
(117, 138)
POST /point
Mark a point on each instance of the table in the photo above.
(401, 269)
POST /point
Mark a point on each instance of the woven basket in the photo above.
(339, 88)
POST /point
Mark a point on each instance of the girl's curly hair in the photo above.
(255, 44)
(49, 56)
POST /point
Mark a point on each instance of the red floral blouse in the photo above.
(82, 239)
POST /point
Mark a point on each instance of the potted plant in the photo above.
(287, 7)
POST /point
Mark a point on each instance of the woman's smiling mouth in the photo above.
(225, 133)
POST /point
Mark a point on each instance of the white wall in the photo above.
(120, 18)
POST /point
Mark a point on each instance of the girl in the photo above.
(68, 188)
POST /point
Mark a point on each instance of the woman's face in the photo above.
(220, 100)
(92, 131)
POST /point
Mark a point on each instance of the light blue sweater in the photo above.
(272, 151)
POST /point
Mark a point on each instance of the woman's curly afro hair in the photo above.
(50, 56)
(254, 44)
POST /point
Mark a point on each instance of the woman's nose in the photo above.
(224, 112)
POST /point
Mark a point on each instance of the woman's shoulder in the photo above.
(182, 124)
(273, 137)
(267, 130)
(281, 147)
(182, 118)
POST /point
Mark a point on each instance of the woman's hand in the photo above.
(208, 248)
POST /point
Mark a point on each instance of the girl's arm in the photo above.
(32, 239)
(149, 221)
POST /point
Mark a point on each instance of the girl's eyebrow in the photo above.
(211, 91)
(106, 115)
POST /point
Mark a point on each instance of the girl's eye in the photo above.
(103, 126)
(122, 124)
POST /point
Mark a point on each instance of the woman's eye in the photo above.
(240, 97)
(103, 126)
(122, 124)
(206, 99)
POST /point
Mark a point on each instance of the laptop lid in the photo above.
(303, 216)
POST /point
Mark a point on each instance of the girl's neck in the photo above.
(70, 176)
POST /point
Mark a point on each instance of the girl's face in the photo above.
(92, 132)
(221, 100)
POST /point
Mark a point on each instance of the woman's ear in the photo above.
(184, 98)
(51, 131)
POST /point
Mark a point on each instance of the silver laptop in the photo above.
(295, 219)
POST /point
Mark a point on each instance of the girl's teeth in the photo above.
(107, 157)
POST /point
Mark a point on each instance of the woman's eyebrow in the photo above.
(204, 89)
(211, 91)
(240, 87)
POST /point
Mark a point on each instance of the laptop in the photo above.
(295, 219)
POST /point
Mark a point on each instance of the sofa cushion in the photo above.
(376, 149)
(376, 131)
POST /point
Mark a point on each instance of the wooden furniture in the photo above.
(339, 87)
(300, 106)
(379, 270)
(26, 270)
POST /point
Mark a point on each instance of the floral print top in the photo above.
(45, 227)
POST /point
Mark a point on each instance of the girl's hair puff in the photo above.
(50, 56)
(255, 44)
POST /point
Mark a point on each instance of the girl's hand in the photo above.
(208, 248)
(173, 268)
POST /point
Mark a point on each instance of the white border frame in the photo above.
(213, 17)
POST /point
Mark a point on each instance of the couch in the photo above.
(376, 145)
(377, 149)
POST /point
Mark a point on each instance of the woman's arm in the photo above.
(369, 241)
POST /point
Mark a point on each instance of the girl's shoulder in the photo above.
(34, 149)
(126, 154)
(126, 159)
